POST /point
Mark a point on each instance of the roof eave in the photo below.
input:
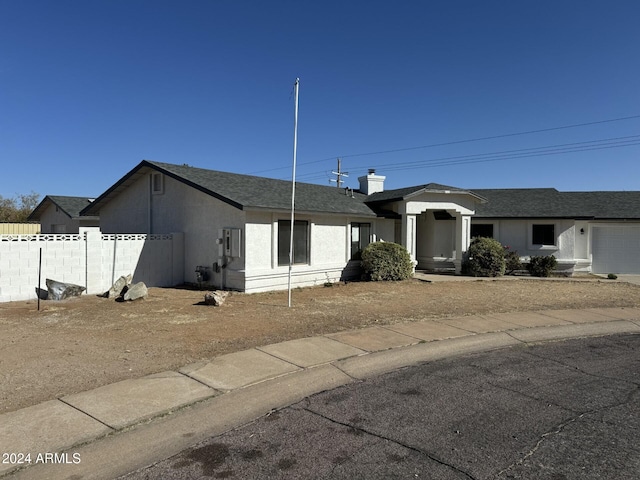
(136, 174)
(533, 217)
(177, 177)
(446, 192)
(46, 202)
(308, 212)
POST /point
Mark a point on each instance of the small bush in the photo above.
(386, 261)
(542, 266)
(485, 258)
(512, 261)
(612, 276)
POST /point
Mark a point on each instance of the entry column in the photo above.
(463, 239)
(409, 235)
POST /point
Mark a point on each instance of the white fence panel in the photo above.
(90, 259)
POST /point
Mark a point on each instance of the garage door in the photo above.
(616, 249)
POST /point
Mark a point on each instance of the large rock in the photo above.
(116, 289)
(136, 291)
(60, 290)
(215, 298)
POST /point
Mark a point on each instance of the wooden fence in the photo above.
(19, 228)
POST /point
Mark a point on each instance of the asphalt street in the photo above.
(561, 410)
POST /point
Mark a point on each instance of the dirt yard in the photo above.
(82, 343)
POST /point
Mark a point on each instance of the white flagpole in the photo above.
(293, 182)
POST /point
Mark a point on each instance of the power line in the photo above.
(515, 157)
(456, 142)
(558, 149)
(568, 146)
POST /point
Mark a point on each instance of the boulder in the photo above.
(60, 290)
(136, 291)
(215, 298)
(116, 289)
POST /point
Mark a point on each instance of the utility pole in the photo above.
(339, 174)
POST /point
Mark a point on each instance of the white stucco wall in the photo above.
(201, 217)
(259, 240)
(129, 211)
(384, 229)
(435, 237)
(516, 233)
(582, 239)
(330, 241)
(329, 249)
(453, 202)
(179, 208)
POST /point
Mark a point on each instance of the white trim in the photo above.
(277, 235)
(536, 246)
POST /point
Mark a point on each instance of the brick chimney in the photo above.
(372, 183)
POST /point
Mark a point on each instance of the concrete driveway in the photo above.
(561, 410)
(635, 279)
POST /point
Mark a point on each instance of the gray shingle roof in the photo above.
(520, 202)
(71, 206)
(550, 203)
(247, 191)
(252, 192)
(605, 205)
(400, 193)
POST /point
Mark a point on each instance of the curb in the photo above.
(211, 399)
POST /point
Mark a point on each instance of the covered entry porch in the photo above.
(434, 224)
(437, 238)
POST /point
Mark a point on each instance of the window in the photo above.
(300, 242)
(543, 234)
(360, 238)
(482, 230)
(157, 184)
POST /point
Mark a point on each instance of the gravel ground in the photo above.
(82, 343)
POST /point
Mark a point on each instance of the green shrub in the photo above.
(386, 261)
(542, 266)
(612, 276)
(512, 261)
(485, 258)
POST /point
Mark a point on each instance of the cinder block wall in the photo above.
(90, 259)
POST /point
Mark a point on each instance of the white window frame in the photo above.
(287, 238)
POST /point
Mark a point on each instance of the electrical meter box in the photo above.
(232, 242)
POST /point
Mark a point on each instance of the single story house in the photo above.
(60, 214)
(597, 232)
(237, 227)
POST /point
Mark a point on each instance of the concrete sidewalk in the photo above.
(118, 428)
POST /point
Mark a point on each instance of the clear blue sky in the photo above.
(89, 88)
